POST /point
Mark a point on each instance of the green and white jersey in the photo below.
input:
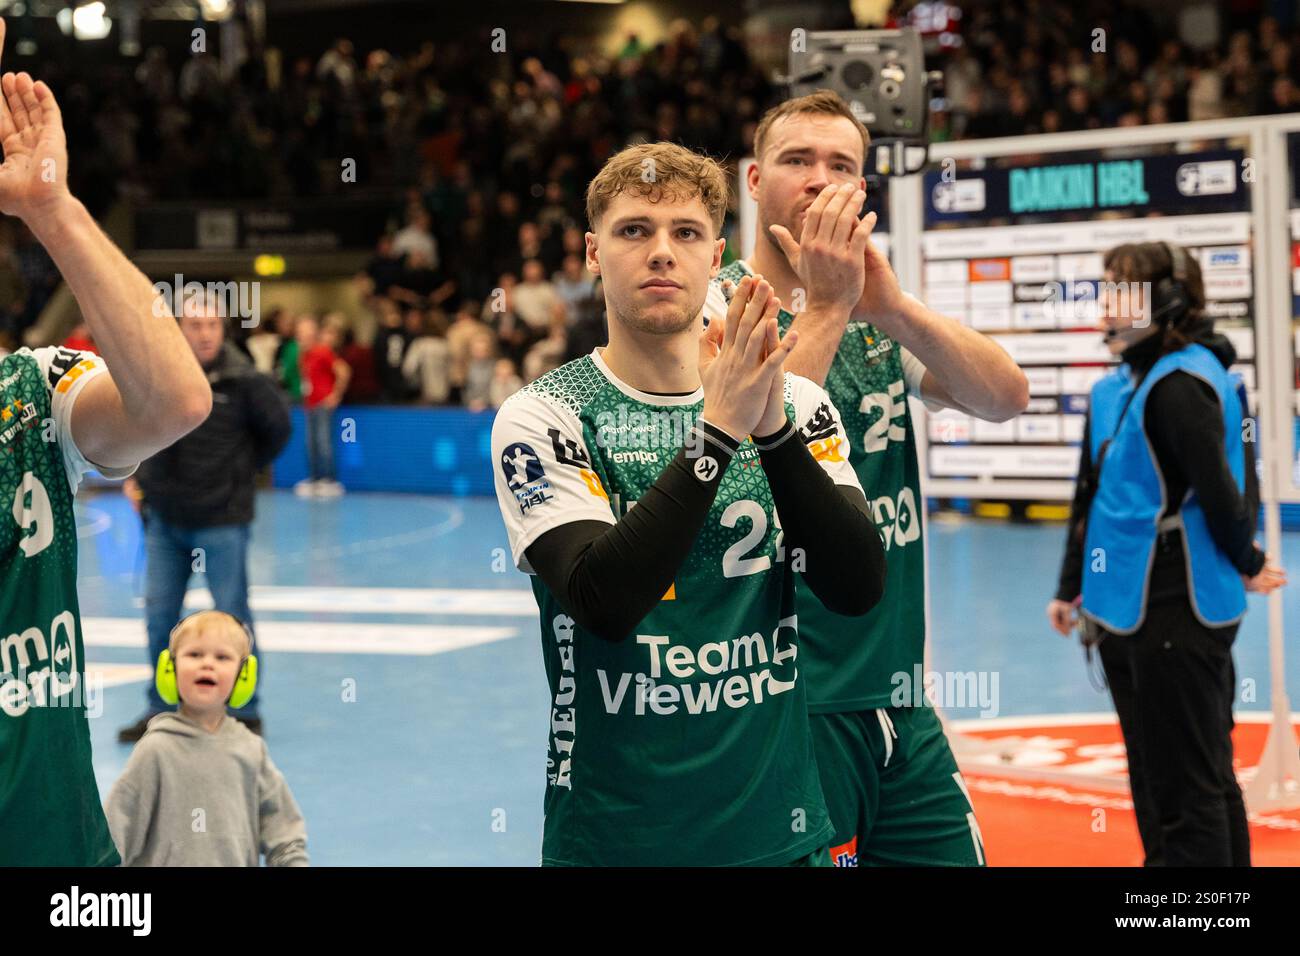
(851, 662)
(688, 742)
(50, 814)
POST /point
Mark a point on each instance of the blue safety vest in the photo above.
(1124, 518)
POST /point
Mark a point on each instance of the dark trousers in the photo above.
(171, 553)
(1173, 683)
(1116, 661)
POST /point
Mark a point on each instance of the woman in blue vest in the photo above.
(1161, 551)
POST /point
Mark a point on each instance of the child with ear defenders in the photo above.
(200, 788)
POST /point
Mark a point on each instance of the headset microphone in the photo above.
(1123, 335)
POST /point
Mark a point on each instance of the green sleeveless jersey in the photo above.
(688, 742)
(852, 663)
(50, 814)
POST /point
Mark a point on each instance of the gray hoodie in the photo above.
(191, 798)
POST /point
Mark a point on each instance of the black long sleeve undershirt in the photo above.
(1184, 422)
(1069, 583)
(610, 578)
(844, 557)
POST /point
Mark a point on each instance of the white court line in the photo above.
(320, 637)
(111, 675)
(489, 602)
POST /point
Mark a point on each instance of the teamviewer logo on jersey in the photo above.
(39, 668)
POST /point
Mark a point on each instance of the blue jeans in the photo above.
(320, 442)
(169, 562)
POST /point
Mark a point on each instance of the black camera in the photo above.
(881, 75)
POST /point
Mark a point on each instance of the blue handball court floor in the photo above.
(403, 691)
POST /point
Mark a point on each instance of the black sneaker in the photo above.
(252, 723)
(129, 735)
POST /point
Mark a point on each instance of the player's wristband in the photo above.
(717, 438)
(777, 438)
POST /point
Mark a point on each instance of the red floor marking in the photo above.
(1028, 822)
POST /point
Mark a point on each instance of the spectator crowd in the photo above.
(479, 284)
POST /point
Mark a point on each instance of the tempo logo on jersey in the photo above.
(525, 476)
(36, 672)
(634, 457)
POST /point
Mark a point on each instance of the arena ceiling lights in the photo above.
(96, 19)
(86, 22)
(92, 11)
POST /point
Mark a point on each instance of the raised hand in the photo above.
(830, 255)
(882, 296)
(741, 360)
(774, 413)
(34, 174)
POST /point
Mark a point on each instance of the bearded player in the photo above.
(892, 785)
(62, 413)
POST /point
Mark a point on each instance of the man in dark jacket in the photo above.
(196, 496)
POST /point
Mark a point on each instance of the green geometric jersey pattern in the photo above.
(687, 743)
(50, 812)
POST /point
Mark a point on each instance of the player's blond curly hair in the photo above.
(656, 170)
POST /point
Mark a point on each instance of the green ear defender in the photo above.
(245, 684)
(164, 678)
(240, 694)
